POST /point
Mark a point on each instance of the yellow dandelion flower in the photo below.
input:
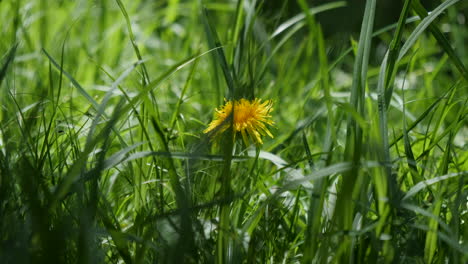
(250, 119)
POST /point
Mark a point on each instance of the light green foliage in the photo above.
(103, 158)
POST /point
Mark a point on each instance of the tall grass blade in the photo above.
(344, 211)
(215, 43)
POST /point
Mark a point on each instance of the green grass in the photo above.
(103, 158)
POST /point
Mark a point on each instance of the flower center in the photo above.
(242, 115)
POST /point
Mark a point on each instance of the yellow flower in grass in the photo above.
(250, 119)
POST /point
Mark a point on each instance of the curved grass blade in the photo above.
(426, 22)
(441, 39)
(421, 185)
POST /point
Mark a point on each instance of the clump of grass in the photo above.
(103, 158)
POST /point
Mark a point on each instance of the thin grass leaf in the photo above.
(146, 79)
(182, 94)
(441, 39)
(421, 185)
(426, 22)
(215, 44)
(80, 89)
(302, 16)
(425, 113)
(10, 57)
(317, 200)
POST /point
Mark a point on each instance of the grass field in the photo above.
(104, 156)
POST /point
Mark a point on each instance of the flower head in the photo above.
(249, 118)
